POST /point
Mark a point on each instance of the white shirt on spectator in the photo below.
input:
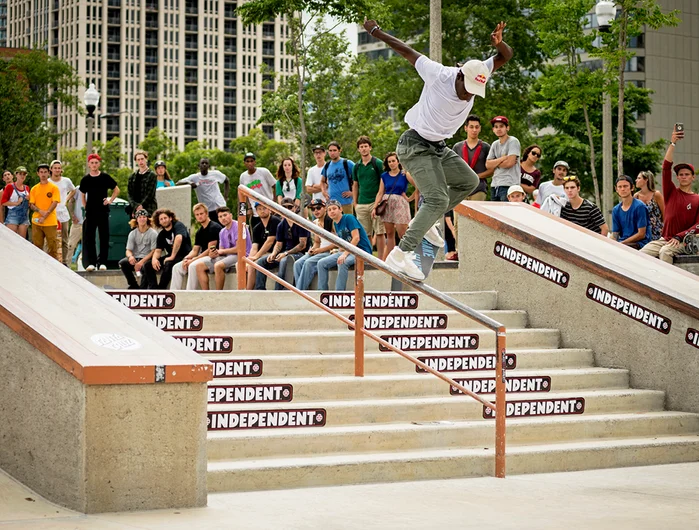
(261, 181)
(439, 112)
(65, 186)
(549, 188)
(313, 179)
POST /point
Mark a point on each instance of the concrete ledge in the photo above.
(99, 410)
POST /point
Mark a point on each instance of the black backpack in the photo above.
(373, 164)
(324, 172)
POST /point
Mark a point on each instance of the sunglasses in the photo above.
(315, 208)
(288, 206)
(566, 179)
(534, 153)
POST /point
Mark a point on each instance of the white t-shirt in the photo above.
(261, 181)
(549, 188)
(313, 179)
(323, 242)
(439, 112)
(78, 207)
(207, 189)
(65, 186)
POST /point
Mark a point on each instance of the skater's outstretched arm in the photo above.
(398, 45)
(505, 53)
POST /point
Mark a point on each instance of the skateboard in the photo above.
(425, 254)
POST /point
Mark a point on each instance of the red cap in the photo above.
(684, 166)
(94, 156)
(500, 119)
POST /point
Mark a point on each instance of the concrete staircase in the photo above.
(394, 423)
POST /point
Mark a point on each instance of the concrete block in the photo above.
(179, 200)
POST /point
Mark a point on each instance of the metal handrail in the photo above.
(500, 333)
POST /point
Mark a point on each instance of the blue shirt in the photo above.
(627, 223)
(339, 180)
(397, 185)
(344, 228)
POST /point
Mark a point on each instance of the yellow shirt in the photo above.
(43, 195)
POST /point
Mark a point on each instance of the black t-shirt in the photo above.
(290, 235)
(261, 232)
(166, 238)
(207, 235)
(97, 189)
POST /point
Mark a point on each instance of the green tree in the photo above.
(31, 82)
(633, 17)
(158, 145)
(258, 11)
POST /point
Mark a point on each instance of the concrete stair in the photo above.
(396, 424)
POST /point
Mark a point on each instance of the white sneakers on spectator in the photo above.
(432, 235)
(103, 267)
(405, 263)
(90, 268)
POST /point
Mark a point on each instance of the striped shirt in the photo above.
(587, 215)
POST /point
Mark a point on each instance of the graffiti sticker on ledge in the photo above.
(628, 308)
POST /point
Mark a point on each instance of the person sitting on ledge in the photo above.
(140, 247)
(173, 240)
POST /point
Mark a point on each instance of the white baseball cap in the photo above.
(514, 189)
(476, 75)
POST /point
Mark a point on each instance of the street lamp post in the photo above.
(133, 127)
(91, 100)
(606, 12)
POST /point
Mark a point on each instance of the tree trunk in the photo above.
(622, 66)
(593, 167)
(436, 30)
(301, 75)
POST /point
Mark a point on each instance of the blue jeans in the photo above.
(261, 279)
(305, 269)
(330, 262)
(499, 193)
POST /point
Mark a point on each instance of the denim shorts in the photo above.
(17, 216)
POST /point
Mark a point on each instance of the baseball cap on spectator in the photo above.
(21, 169)
(94, 156)
(561, 163)
(140, 213)
(333, 202)
(42, 166)
(249, 155)
(625, 178)
(684, 166)
(514, 189)
(318, 148)
(54, 162)
(476, 75)
(160, 163)
(317, 202)
(500, 119)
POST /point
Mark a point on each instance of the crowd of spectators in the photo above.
(367, 203)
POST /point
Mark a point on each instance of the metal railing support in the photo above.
(359, 317)
(500, 403)
(240, 268)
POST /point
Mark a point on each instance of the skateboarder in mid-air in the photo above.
(442, 176)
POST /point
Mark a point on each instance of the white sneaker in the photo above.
(90, 268)
(103, 267)
(432, 235)
(405, 263)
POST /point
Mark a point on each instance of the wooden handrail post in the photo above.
(500, 403)
(358, 317)
(240, 268)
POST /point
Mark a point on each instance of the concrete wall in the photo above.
(179, 200)
(99, 448)
(655, 360)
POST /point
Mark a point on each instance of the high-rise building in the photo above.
(189, 67)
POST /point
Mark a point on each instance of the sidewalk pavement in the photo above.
(636, 498)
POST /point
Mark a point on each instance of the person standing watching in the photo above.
(654, 201)
(44, 198)
(174, 241)
(503, 159)
(95, 186)
(289, 184)
(366, 177)
(555, 186)
(15, 197)
(67, 189)
(205, 240)
(140, 247)
(7, 179)
(76, 227)
(630, 224)
(313, 177)
(164, 179)
(337, 178)
(531, 176)
(258, 179)
(206, 185)
(681, 208)
(581, 211)
(142, 185)
(475, 151)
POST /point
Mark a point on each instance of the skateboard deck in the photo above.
(425, 254)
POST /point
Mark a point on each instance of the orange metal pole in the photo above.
(359, 318)
(241, 269)
(500, 404)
